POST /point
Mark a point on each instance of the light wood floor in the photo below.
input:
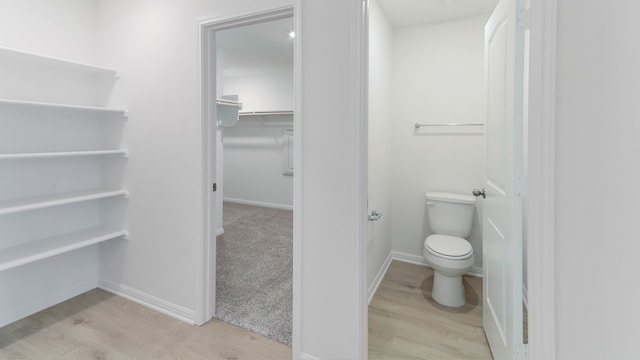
(101, 326)
(406, 323)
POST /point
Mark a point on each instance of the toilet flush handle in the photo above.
(478, 192)
(375, 215)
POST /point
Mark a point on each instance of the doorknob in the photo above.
(478, 192)
(375, 215)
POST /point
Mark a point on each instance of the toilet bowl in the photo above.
(450, 218)
(450, 257)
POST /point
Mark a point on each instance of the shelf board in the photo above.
(54, 106)
(47, 155)
(38, 250)
(264, 113)
(59, 61)
(16, 206)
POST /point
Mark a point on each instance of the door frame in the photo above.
(541, 280)
(206, 259)
(541, 181)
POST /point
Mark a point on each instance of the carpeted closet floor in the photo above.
(254, 270)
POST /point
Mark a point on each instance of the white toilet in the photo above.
(450, 217)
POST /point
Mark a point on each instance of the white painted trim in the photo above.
(259, 203)
(375, 284)
(359, 84)
(476, 271)
(298, 126)
(419, 260)
(307, 357)
(541, 259)
(204, 311)
(150, 301)
(409, 258)
(205, 262)
(42, 303)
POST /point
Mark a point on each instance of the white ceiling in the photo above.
(402, 13)
(267, 46)
(256, 48)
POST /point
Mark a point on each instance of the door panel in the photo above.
(502, 219)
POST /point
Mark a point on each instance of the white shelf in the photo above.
(38, 250)
(53, 106)
(11, 207)
(265, 113)
(48, 155)
(58, 61)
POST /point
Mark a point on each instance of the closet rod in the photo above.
(229, 103)
(418, 125)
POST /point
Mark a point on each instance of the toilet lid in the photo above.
(449, 247)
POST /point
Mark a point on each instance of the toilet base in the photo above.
(448, 290)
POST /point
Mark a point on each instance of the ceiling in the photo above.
(256, 48)
(403, 13)
(267, 46)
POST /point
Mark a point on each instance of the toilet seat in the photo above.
(448, 247)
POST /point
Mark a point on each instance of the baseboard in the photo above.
(525, 296)
(219, 231)
(259, 203)
(378, 279)
(47, 301)
(419, 260)
(150, 301)
(409, 258)
(476, 271)
(308, 357)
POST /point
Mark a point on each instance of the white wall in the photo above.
(333, 203)
(64, 29)
(380, 130)
(154, 45)
(438, 77)
(253, 162)
(253, 147)
(265, 91)
(597, 179)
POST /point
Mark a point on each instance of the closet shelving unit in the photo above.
(265, 113)
(63, 154)
(56, 245)
(16, 255)
(43, 202)
(266, 118)
(61, 107)
(56, 61)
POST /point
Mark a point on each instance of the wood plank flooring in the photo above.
(406, 323)
(101, 326)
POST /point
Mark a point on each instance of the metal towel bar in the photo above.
(418, 125)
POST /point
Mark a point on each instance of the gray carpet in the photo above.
(254, 270)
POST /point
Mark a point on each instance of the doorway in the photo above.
(427, 106)
(249, 172)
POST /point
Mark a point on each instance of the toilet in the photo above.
(447, 251)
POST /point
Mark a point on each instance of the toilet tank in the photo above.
(450, 214)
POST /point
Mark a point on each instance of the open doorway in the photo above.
(248, 123)
(427, 146)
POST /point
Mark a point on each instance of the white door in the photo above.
(502, 234)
